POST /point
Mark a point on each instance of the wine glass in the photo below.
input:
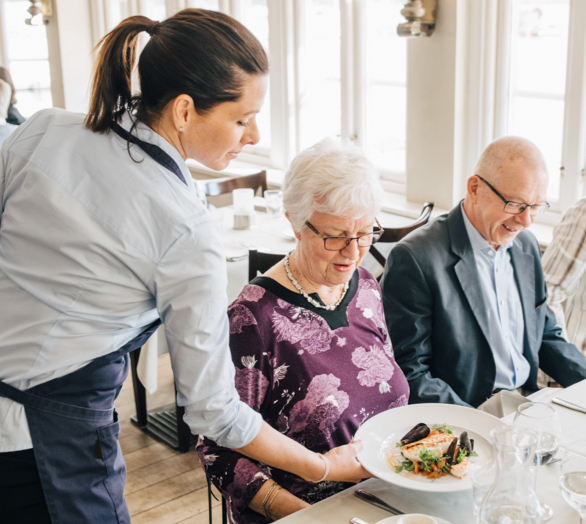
(573, 479)
(541, 418)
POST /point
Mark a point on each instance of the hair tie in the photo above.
(150, 29)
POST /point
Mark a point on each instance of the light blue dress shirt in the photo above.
(95, 244)
(503, 305)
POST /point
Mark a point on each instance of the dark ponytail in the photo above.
(196, 52)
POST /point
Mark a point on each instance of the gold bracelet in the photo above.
(268, 511)
(262, 506)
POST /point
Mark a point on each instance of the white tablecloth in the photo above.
(455, 508)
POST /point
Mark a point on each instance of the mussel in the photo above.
(466, 443)
(419, 432)
(453, 452)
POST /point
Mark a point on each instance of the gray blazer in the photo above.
(439, 329)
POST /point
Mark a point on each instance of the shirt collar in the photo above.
(145, 133)
(477, 241)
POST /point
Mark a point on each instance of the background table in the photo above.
(456, 508)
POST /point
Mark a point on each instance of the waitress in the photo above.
(103, 236)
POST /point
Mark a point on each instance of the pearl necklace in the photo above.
(313, 302)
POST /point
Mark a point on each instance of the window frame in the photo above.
(573, 161)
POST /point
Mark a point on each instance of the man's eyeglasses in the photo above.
(516, 208)
(339, 243)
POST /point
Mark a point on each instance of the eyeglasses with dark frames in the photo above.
(516, 208)
(339, 243)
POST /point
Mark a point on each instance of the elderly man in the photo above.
(465, 297)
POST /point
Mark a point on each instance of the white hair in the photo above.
(331, 177)
(509, 149)
(5, 96)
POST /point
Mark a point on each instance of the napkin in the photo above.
(147, 367)
(573, 397)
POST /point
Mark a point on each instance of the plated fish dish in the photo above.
(433, 451)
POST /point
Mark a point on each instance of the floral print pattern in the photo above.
(298, 325)
(240, 316)
(323, 396)
(311, 382)
(370, 302)
(377, 368)
(251, 384)
(252, 293)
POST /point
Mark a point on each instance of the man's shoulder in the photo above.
(527, 241)
(432, 238)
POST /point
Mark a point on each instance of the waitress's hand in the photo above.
(344, 466)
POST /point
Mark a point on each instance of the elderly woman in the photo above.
(308, 338)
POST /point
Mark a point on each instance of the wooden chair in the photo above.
(259, 262)
(394, 234)
(222, 186)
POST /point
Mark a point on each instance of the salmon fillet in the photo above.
(439, 444)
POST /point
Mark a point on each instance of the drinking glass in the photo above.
(274, 202)
(573, 479)
(541, 418)
(482, 481)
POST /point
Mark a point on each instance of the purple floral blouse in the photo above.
(314, 375)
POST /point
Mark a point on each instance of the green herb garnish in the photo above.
(406, 465)
(461, 456)
(444, 428)
(429, 461)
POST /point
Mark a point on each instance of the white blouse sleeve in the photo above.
(190, 289)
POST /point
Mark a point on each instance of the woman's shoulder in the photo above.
(366, 276)
(252, 295)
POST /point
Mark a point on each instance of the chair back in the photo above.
(226, 185)
(260, 261)
(394, 234)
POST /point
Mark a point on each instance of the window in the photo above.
(254, 14)
(386, 88)
(338, 69)
(27, 58)
(542, 90)
(539, 50)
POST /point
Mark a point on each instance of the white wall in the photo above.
(436, 116)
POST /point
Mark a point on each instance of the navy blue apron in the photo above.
(74, 426)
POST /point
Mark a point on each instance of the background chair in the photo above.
(225, 186)
(394, 234)
(259, 262)
(166, 423)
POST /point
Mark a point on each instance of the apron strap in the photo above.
(29, 400)
(155, 152)
(57, 383)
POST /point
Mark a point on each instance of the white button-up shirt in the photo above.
(94, 247)
(505, 313)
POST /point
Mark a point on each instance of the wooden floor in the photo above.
(163, 486)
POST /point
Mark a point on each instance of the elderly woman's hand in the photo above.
(344, 466)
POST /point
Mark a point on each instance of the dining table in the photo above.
(457, 507)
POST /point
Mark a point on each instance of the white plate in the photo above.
(395, 519)
(380, 434)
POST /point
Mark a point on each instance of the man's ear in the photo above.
(472, 188)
